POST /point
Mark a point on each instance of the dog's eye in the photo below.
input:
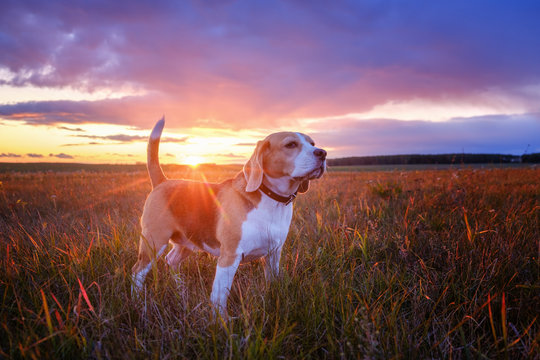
(291, 145)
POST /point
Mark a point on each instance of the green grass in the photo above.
(394, 264)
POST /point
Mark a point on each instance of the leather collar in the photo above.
(282, 199)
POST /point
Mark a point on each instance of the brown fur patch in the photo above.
(253, 169)
(279, 160)
(193, 206)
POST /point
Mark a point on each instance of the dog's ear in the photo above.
(304, 187)
(253, 169)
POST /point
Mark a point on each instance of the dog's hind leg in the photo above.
(150, 249)
(179, 251)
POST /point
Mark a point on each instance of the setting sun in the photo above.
(193, 161)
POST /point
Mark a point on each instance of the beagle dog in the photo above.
(238, 220)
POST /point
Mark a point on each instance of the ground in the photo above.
(385, 264)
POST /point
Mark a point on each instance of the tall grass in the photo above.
(417, 264)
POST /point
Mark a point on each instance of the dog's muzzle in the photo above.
(313, 174)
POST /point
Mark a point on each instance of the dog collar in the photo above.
(282, 199)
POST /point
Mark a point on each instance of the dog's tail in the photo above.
(154, 170)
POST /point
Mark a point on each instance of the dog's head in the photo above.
(288, 155)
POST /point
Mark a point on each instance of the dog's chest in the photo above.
(265, 229)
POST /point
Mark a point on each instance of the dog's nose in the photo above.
(320, 153)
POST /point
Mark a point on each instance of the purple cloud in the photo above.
(61, 156)
(88, 143)
(123, 138)
(34, 155)
(252, 61)
(486, 134)
(9, 155)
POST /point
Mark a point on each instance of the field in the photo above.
(378, 264)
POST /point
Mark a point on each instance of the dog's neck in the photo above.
(282, 186)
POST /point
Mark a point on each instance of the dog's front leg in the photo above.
(271, 265)
(225, 270)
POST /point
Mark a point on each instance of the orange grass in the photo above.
(411, 264)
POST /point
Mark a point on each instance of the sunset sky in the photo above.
(86, 81)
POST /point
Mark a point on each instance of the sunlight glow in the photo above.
(193, 161)
(120, 144)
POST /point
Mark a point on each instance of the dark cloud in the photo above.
(34, 155)
(61, 156)
(70, 129)
(9, 155)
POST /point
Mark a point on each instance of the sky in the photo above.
(85, 81)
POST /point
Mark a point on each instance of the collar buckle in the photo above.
(291, 199)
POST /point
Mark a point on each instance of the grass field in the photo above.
(378, 264)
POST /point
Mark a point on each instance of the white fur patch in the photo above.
(138, 279)
(222, 285)
(306, 161)
(265, 229)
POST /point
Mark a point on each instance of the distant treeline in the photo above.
(348, 161)
(435, 159)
